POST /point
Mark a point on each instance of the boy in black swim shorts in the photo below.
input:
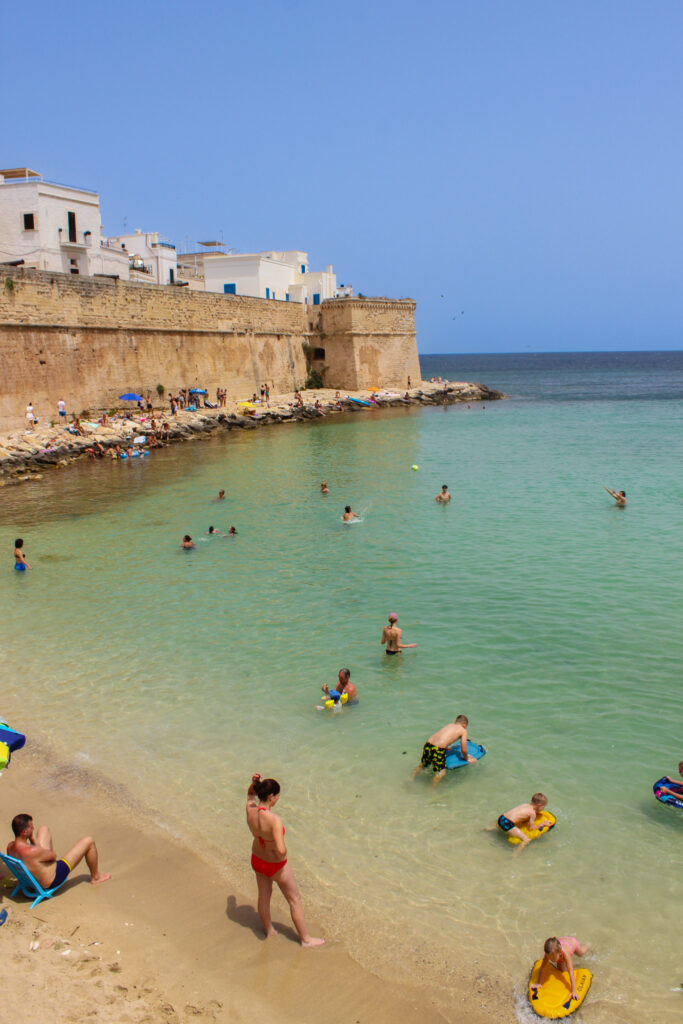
(434, 750)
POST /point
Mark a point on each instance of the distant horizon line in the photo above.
(560, 352)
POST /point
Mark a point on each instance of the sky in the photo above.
(515, 167)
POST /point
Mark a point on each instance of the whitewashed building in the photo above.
(152, 258)
(283, 276)
(54, 227)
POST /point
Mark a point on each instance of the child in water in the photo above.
(558, 953)
(678, 787)
(20, 563)
(523, 814)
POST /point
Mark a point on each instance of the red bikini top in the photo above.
(263, 841)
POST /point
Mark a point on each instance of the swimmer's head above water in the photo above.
(393, 617)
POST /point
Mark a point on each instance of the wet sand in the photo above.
(169, 939)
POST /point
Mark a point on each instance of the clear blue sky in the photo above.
(521, 159)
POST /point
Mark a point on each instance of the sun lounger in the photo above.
(26, 882)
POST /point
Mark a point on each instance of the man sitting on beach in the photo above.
(434, 750)
(41, 860)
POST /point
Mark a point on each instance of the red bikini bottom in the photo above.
(266, 867)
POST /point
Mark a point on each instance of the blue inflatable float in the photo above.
(454, 758)
(667, 798)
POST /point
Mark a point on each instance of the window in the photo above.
(316, 298)
(318, 353)
(73, 267)
(29, 222)
(171, 275)
(287, 297)
(72, 226)
(267, 293)
(303, 268)
(229, 289)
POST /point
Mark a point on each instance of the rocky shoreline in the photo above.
(24, 455)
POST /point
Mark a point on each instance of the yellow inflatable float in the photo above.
(545, 820)
(554, 1000)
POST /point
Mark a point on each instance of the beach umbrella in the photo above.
(130, 396)
(198, 391)
(373, 389)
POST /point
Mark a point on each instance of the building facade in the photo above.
(283, 276)
(54, 227)
(152, 258)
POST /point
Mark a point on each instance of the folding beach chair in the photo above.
(26, 882)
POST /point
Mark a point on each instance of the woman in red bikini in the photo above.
(269, 858)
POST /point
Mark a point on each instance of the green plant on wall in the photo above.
(315, 379)
(9, 284)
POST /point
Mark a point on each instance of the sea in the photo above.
(543, 612)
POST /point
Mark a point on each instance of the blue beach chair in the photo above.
(26, 882)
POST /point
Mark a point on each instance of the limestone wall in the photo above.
(369, 342)
(89, 340)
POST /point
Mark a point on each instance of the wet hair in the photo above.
(623, 493)
(265, 788)
(187, 537)
(680, 766)
(347, 508)
(552, 946)
(18, 543)
(444, 487)
(20, 822)
(539, 798)
(463, 719)
(346, 672)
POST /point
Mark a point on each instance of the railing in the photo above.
(143, 268)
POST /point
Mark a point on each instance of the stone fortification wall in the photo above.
(88, 341)
(369, 342)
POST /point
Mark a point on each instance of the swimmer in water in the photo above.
(391, 636)
(349, 515)
(444, 496)
(221, 496)
(187, 543)
(343, 686)
(20, 563)
(324, 489)
(619, 497)
(213, 532)
(232, 532)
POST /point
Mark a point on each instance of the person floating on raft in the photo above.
(525, 818)
(558, 953)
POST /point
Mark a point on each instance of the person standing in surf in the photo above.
(391, 636)
(20, 563)
(269, 858)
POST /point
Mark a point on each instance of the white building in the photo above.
(284, 276)
(152, 258)
(54, 227)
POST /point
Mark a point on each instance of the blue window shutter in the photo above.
(287, 297)
(229, 289)
(316, 298)
(303, 268)
(267, 293)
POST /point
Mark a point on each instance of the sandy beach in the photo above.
(167, 939)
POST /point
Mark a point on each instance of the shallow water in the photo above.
(544, 613)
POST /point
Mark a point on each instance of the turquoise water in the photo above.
(548, 616)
